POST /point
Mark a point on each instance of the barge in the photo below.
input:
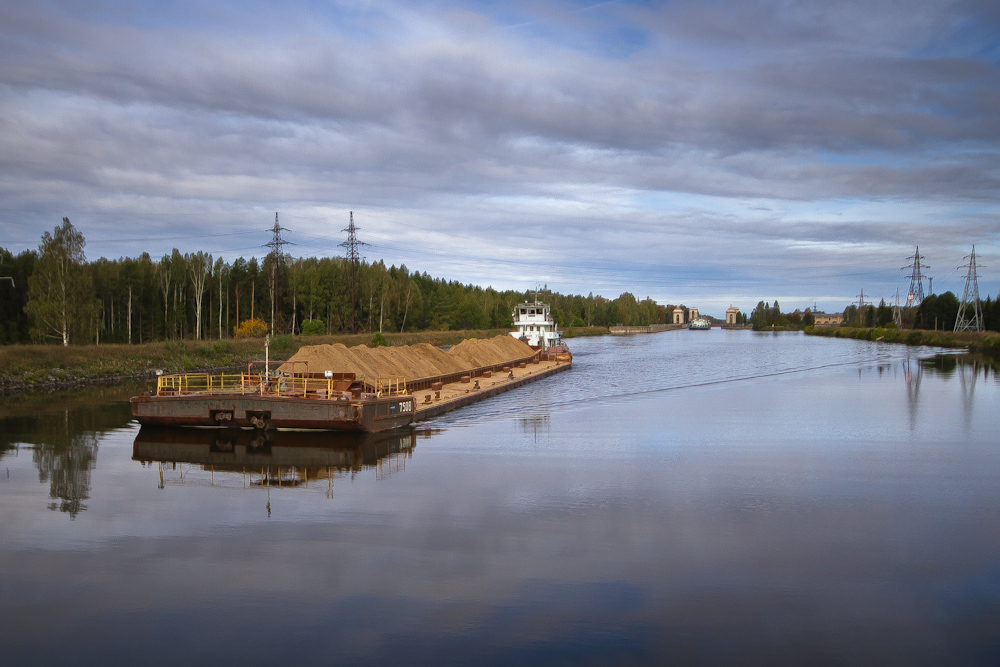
(294, 395)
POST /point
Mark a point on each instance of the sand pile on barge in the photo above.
(411, 361)
(497, 350)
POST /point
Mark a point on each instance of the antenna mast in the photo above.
(970, 298)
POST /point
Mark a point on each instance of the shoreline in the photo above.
(983, 342)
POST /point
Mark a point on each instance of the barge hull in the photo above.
(370, 415)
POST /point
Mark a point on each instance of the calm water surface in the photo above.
(717, 497)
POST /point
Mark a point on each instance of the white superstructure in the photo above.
(535, 325)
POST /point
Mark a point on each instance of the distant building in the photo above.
(692, 314)
(678, 315)
(827, 320)
(732, 313)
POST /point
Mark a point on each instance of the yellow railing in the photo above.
(241, 383)
(390, 384)
(260, 384)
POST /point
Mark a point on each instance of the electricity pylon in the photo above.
(970, 299)
(276, 244)
(915, 295)
(354, 268)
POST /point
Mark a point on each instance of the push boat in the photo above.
(290, 395)
(700, 324)
(536, 327)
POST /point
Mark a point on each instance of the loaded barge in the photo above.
(307, 393)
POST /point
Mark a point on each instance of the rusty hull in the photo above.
(370, 415)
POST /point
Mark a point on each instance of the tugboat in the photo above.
(536, 327)
(700, 324)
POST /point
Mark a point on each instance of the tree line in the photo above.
(937, 311)
(56, 295)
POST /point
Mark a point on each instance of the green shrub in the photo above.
(914, 338)
(204, 351)
(222, 347)
(313, 328)
(281, 343)
(377, 340)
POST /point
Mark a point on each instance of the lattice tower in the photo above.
(970, 298)
(897, 312)
(861, 307)
(915, 295)
(276, 244)
(353, 257)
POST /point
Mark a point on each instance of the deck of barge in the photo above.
(458, 394)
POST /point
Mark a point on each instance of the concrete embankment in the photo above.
(652, 328)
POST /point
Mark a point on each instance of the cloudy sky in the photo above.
(700, 151)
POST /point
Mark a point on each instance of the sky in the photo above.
(699, 152)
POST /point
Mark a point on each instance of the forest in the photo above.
(56, 295)
(935, 312)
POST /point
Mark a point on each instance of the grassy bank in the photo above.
(579, 332)
(32, 367)
(987, 342)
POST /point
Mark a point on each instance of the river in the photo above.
(720, 497)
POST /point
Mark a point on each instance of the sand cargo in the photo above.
(362, 389)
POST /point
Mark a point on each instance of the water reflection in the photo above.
(254, 458)
(535, 425)
(912, 375)
(62, 431)
(968, 368)
(948, 365)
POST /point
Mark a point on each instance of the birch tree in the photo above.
(199, 266)
(60, 290)
(220, 273)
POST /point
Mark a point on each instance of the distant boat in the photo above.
(700, 324)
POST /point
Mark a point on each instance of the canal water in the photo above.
(719, 497)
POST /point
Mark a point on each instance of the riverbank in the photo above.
(51, 367)
(581, 332)
(986, 342)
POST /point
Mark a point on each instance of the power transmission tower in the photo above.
(897, 312)
(353, 269)
(915, 295)
(861, 307)
(276, 244)
(970, 298)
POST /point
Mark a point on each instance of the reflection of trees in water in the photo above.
(63, 429)
(968, 368)
(65, 454)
